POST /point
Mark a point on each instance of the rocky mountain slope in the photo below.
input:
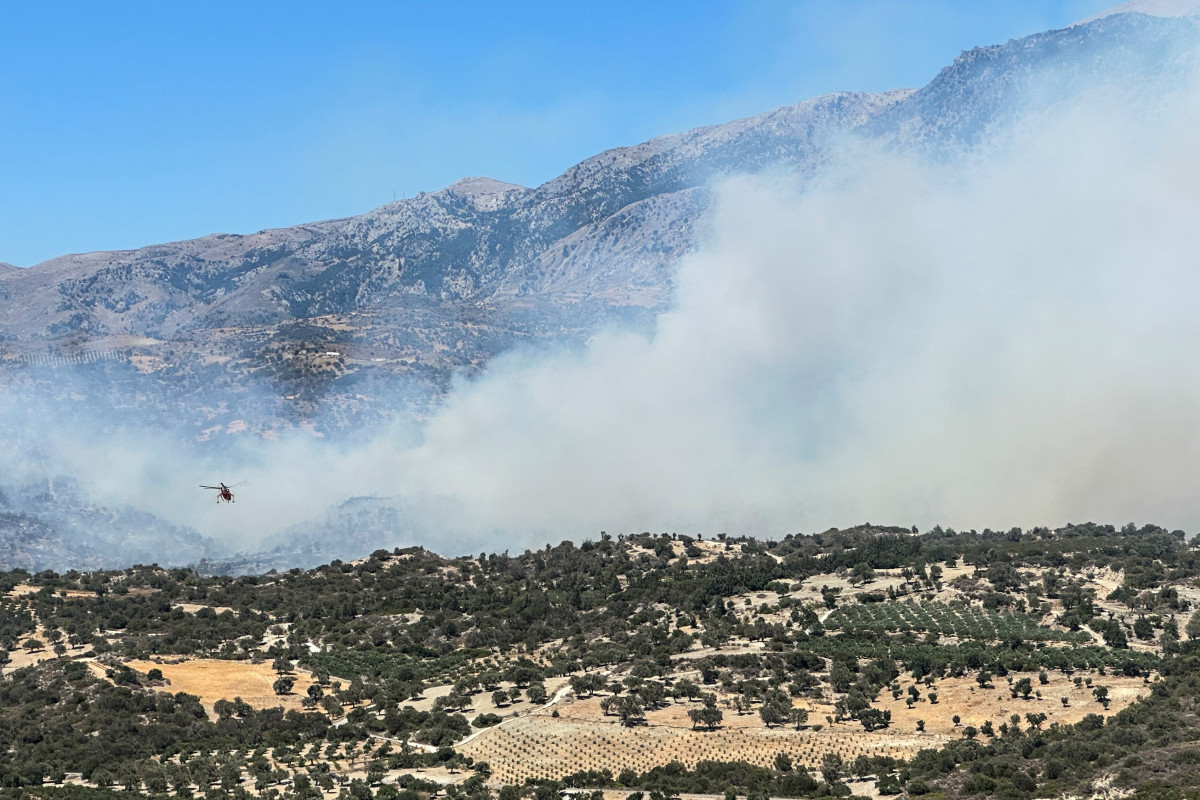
(1154, 8)
(1131, 54)
(389, 304)
(607, 229)
(419, 288)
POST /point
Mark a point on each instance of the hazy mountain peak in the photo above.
(1153, 8)
(481, 185)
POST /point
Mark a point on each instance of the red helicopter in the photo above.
(223, 491)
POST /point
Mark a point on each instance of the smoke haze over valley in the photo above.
(970, 305)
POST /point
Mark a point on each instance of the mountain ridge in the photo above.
(484, 241)
(1154, 8)
(547, 214)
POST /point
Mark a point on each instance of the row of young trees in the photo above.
(961, 621)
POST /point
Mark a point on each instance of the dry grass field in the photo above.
(24, 590)
(212, 680)
(964, 697)
(24, 658)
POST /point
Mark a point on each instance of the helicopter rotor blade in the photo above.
(210, 487)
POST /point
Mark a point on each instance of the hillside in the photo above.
(874, 660)
(54, 524)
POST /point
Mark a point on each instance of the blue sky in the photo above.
(132, 123)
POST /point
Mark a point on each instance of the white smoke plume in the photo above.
(1007, 336)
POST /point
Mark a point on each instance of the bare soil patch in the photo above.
(481, 702)
(192, 608)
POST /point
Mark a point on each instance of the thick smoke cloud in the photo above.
(1005, 335)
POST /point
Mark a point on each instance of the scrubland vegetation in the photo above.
(1014, 664)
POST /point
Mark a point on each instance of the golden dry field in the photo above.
(24, 658)
(964, 697)
(213, 679)
(24, 590)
